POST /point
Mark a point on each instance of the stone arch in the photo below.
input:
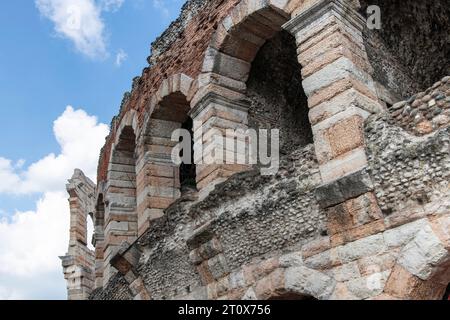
(158, 177)
(287, 295)
(120, 200)
(78, 263)
(175, 84)
(295, 282)
(129, 120)
(235, 44)
(422, 271)
(222, 98)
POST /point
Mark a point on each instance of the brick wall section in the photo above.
(185, 55)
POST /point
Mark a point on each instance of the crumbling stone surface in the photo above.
(269, 214)
(116, 289)
(281, 103)
(172, 33)
(165, 264)
(188, 43)
(416, 34)
(426, 111)
(406, 169)
(359, 208)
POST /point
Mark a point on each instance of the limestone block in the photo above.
(423, 254)
(347, 187)
(305, 281)
(324, 260)
(378, 263)
(218, 266)
(249, 295)
(369, 286)
(340, 69)
(401, 235)
(316, 246)
(361, 248)
(346, 272)
(293, 259)
(352, 162)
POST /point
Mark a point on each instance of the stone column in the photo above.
(213, 115)
(78, 263)
(158, 180)
(341, 95)
(120, 206)
(98, 242)
(336, 72)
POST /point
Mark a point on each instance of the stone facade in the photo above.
(359, 208)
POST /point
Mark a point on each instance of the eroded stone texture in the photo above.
(406, 170)
(276, 95)
(116, 289)
(359, 208)
(415, 38)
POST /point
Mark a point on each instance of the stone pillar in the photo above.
(212, 116)
(336, 72)
(158, 180)
(99, 243)
(120, 206)
(78, 263)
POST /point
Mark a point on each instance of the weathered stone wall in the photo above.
(412, 174)
(425, 111)
(117, 289)
(165, 263)
(252, 215)
(78, 263)
(413, 44)
(360, 213)
(276, 94)
(188, 43)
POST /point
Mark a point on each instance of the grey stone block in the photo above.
(348, 187)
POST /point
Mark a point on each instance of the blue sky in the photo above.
(46, 67)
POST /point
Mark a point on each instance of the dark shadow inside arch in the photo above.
(99, 217)
(447, 293)
(188, 170)
(275, 90)
(175, 108)
(292, 296)
(411, 51)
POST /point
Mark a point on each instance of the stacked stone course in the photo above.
(359, 208)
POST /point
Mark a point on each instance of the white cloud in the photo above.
(79, 136)
(31, 241)
(80, 21)
(111, 5)
(161, 6)
(121, 56)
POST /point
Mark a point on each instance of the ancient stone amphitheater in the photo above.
(360, 206)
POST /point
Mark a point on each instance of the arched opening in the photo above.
(174, 109)
(120, 199)
(292, 296)
(169, 180)
(258, 57)
(90, 231)
(411, 51)
(188, 173)
(447, 293)
(123, 175)
(99, 218)
(275, 90)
